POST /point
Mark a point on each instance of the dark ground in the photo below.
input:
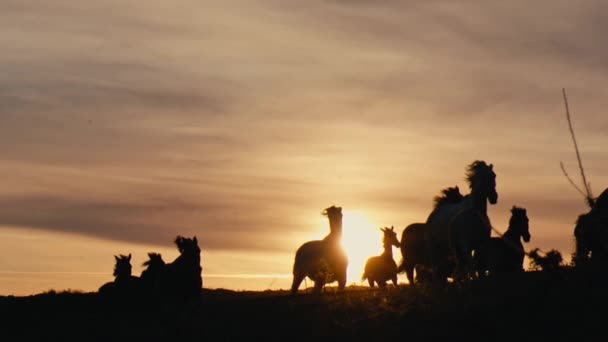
(540, 306)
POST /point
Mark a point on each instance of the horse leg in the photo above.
(297, 280)
(371, 282)
(342, 281)
(318, 287)
(409, 271)
(394, 280)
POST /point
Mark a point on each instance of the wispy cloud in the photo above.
(239, 122)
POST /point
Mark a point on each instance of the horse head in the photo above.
(155, 261)
(520, 223)
(334, 214)
(390, 237)
(188, 247)
(122, 268)
(482, 180)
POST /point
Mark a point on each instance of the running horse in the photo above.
(413, 246)
(455, 230)
(505, 254)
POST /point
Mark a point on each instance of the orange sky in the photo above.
(123, 125)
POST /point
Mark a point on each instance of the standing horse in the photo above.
(182, 277)
(413, 244)
(591, 234)
(456, 230)
(125, 285)
(150, 277)
(323, 261)
(380, 269)
(506, 253)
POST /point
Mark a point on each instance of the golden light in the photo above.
(361, 239)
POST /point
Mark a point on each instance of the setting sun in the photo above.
(361, 239)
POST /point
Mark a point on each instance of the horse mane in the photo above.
(331, 211)
(450, 195)
(518, 210)
(154, 259)
(477, 169)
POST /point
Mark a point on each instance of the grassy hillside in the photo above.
(532, 306)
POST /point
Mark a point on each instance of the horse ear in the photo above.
(392, 228)
(491, 167)
(195, 240)
(116, 257)
(129, 257)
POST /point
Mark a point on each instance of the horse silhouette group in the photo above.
(455, 242)
(179, 279)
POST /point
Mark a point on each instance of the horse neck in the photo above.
(388, 250)
(122, 277)
(511, 235)
(335, 226)
(333, 238)
(479, 201)
(184, 260)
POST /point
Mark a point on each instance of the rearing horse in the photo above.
(323, 261)
(454, 231)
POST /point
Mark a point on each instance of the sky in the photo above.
(123, 125)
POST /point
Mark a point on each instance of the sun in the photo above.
(361, 239)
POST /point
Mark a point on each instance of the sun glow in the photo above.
(361, 239)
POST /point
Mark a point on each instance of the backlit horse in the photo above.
(182, 278)
(454, 231)
(124, 286)
(506, 253)
(380, 269)
(413, 245)
(151, 276)
(323, 261)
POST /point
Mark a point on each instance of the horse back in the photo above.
(413, 240)
(438, 223)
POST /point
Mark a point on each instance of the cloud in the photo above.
(241, 121)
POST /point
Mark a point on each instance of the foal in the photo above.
(380, 269)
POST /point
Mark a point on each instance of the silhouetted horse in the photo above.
(182, 278)
(323, 261)
(413, 245)
(151, 276)
(124, 286)
(456, 230)
(591, 234)
(506, 253)
(380, 269)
